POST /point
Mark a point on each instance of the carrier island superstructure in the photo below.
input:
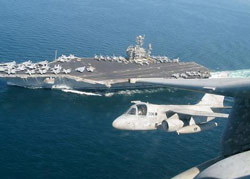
(100, 72)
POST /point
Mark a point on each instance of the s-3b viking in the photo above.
(182, 119)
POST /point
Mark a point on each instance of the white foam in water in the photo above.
(231, 74)
(125, 92)
(109, 94)
(81, 92)
(132, 92)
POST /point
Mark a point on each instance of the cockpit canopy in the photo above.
(138, 109)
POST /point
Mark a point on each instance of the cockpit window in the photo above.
(142, 109)
(132, 111)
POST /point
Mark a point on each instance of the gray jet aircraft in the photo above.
(234, 160)
(172, 118)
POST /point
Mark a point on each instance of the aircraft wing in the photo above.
(190, 112)
(222, 86)
(237, 131)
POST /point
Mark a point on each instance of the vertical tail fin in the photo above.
(212, 100)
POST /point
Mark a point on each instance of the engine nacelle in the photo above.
(172, 124)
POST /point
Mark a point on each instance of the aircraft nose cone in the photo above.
(115, 124)
(121, 123)
(118, 123)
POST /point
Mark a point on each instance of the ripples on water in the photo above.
(61, 134)
(52, 134)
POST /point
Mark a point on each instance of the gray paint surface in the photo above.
(236, 136)
(106, 74)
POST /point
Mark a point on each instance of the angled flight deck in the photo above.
(100, 72)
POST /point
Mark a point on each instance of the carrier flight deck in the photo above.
(100, 72)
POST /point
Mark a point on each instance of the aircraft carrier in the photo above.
(100, 72)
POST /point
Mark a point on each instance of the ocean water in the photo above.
(53, 134)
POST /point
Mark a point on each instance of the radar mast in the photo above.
(140, 40)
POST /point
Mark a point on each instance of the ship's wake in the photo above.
(81, 92)
(132, 92)
(245, 73)
(120, 92)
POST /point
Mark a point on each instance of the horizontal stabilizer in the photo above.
(224, 107)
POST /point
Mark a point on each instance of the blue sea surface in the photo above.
(52, 134)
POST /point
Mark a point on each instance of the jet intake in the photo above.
(172, 124)
(197, 128)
